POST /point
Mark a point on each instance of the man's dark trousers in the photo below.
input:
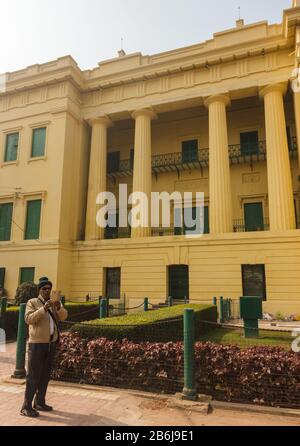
(40, 360)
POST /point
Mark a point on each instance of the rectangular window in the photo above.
(131, 158)
(113, 162)
(6, 210)
(2, 277)
(289, 138)
(189, 151)
(249, 143)
(33, 218)
(254, 217)
(113, 283)
(254, 280)
(38, 142)
(26, 275)
(178, 281)
(11, 147)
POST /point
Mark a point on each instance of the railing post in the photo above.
(146, 303)
(99, 303)
(20, 371)
(185, 300)
(3, 312)
(215, 301)
(229, 308)
(189, 390)
(63, 300)
(170, 301)
(221, 310)
(103, 309)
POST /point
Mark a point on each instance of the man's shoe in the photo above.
(31, 413)
(43, 407)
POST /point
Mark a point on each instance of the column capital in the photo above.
(223, 98)
(281, 87)
(147, 111)
(105, 120)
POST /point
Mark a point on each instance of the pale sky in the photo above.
(37, 31)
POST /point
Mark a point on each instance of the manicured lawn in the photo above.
(236, 336)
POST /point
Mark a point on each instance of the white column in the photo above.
(97, 175)
(220, 201)
(280, 188)
(142, 170)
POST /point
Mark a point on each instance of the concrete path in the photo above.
(94, 406)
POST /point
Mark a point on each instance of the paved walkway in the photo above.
(90, 406)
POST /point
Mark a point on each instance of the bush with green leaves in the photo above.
(162, 325)
(25, 292)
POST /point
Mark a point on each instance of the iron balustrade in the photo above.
(176, 161)
(240, 226)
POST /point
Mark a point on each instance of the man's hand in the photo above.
(57, 305)
(48, 305)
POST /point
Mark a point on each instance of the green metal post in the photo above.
(99, 302)
(103, 309)
(189, 390)
(170, 301)
(221, 310)
(3, 312)
(251, 328)
(20, 371)
(63, 300)
(229, 308)
(214, 301)
(146, 303)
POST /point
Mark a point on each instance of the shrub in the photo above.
(25, 292)
(163, 325)
(76, 312)
(260, 375)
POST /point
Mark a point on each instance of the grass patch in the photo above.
(236, 337)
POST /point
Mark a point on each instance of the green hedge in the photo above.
(89, 310)
(162, 325)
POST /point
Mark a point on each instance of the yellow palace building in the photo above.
(220, 117)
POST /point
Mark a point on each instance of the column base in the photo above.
(189, 394)
(19, 374)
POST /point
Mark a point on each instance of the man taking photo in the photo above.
(42, 315)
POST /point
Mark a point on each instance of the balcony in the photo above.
(116, 233)
(176, 162)
(240, 226)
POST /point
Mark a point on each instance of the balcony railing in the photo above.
(178, 161)
(116, 233)
(240, 226)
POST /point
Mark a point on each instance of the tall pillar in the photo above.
(220, 201)
(280, 188)
(297, 121)
(97, 175)
(142, 169)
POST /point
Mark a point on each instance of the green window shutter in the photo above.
(11, 149)
(289, 138)
(189, 151)
(206, 220)
(113, 162)
(2, 277)
(6, 210)
(26, 275)
(254, 218)
(33, 217)
(249, 143)
(38, 142)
